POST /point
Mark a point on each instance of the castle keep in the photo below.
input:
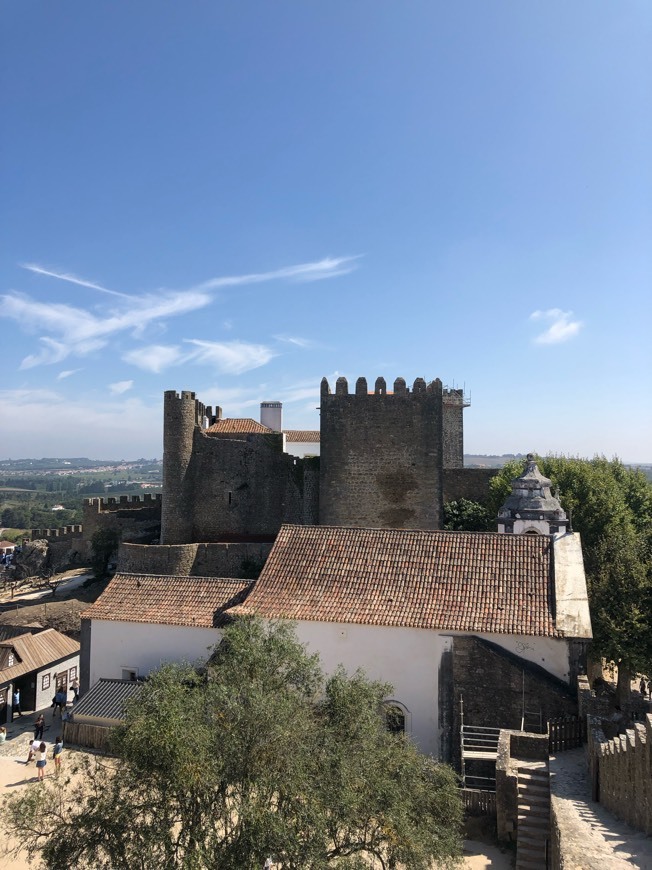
(382, 464)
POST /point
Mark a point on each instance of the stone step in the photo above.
(535, 820)
(534, 810)
(539, 781)
(529, 840)
(532, 853)
(541, 800)
(530, 864)
(530, 788)
(533, 777)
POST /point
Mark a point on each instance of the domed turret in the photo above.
(532, 509)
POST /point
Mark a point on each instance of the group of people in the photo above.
(59, 701)
(39, 750)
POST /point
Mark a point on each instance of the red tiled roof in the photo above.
(244, 425)
(449, 581)
(301, 436)
(168, 600)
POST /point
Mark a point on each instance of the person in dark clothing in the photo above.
(39, 725)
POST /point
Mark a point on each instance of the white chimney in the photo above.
(271, 415)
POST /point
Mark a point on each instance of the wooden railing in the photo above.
(478, 803)
(566, 733)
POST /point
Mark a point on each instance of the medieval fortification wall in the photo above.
(382, 454)
(230, 488)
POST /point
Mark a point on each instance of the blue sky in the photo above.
(238, 198)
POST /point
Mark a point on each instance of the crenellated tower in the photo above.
(382, 454)
(182, 415)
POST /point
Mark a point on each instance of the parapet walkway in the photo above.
(592, 838)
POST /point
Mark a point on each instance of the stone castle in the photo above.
(388, 459)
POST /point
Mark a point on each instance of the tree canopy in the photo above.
(610, 505)
(256, 755)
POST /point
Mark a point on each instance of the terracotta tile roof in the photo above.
(449, 581)
(243, 425)
(301, 436)
(168, 600)
(37, 651)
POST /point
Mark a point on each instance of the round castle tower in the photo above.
(182, 414)
(532, 509)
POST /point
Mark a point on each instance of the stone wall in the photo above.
(196, 560)
(226, 486)
(65, 546)
(513, 747)
(621, 772)
(471, 483)
(381, 455)
(137, 518)
(496, 685)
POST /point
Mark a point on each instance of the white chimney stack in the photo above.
(271, 415)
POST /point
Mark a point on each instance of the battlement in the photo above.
(148, 500)
(419, 388)
(63, 532)
(186, 400)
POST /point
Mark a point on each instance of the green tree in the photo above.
(465, 515)
(104, 546)
(256, 755)
(610, 505)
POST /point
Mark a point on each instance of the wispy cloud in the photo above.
(227, 357)
(63, 375)
(72, 279)
(295, 340)
(561, 326)
(155, 357)
(72, 330)
(232, 357)
(329, 267)
(120, 387)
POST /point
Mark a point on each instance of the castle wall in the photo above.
(381, 455)
(621, 772)
(137, 518)
(196, 560)
(246, 488)
(229, 487)
(470, 483)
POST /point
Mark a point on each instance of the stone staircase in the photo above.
(533, 815)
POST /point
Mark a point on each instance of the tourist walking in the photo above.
(60, 700)
(641, 687)
(56, 754)
(3, 733)
(39, 725)
(74, 688)
(16, 704)
(41, 761)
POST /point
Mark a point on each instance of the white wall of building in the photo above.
(142, 647)
(408, 658)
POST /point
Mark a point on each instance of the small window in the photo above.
(45, 682)
(10, 660)
(73, 673)
(129, 674)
